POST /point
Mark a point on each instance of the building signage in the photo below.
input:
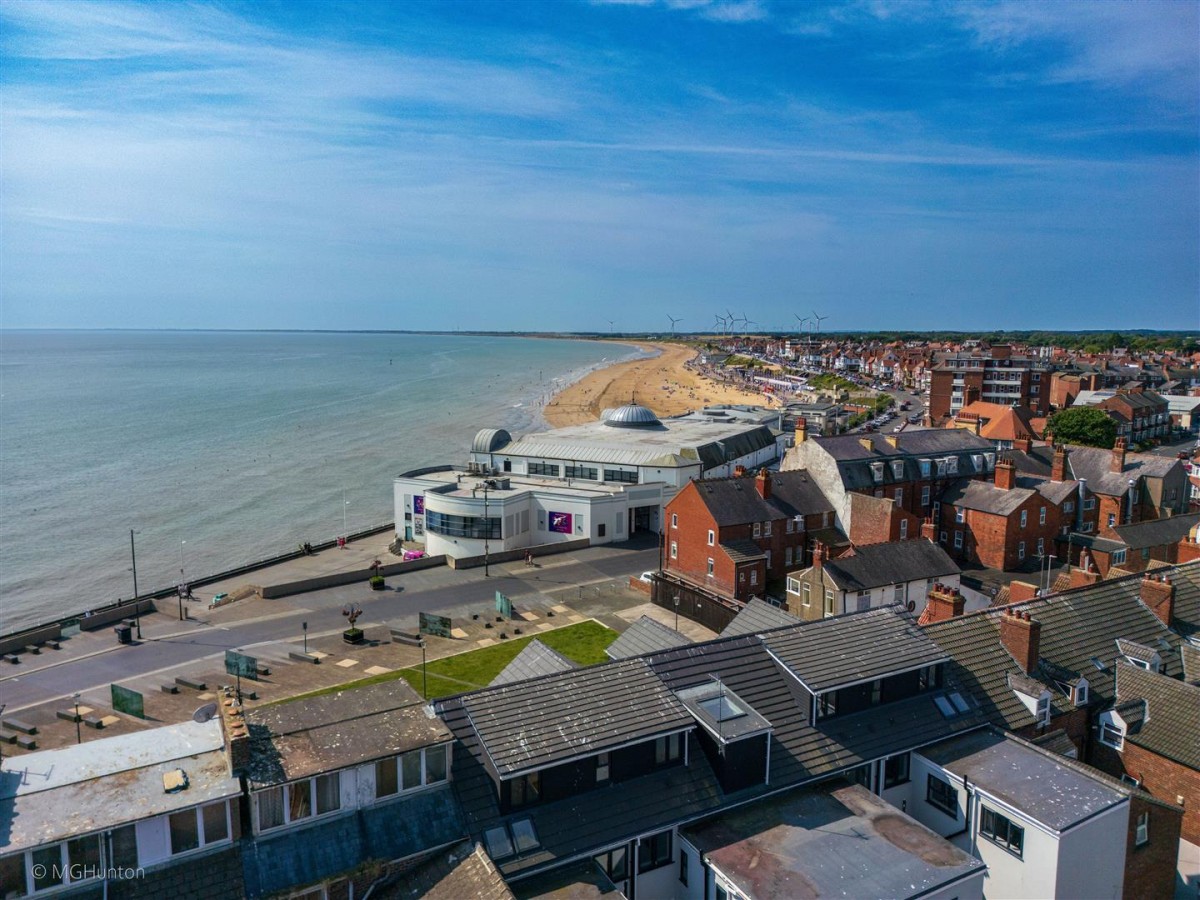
(435, 625)
(560, 522)
(241, 665)
(126, 701)
(418, 505)
(503, 605)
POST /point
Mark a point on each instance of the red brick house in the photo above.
(1009, 521)
(729, 536)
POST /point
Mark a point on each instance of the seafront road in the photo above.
(89, 662)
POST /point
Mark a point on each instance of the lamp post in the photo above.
(345, 503)
(424, 684)
(137, 613)
(676, 610)
(78, 733)
(182, 585)
(304, 625)
(487, 532)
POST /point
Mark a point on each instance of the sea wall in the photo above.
(272, 591)
(474, 562)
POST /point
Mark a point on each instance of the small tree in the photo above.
(1086, 425)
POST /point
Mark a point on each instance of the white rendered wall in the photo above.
(1091, 857)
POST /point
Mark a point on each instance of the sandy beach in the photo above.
(664, 383)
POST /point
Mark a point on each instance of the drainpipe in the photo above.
(1132, 495)
(1079, 510)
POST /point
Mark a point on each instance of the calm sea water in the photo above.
(239, 445)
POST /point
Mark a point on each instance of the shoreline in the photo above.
(670, 382)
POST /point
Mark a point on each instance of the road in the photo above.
(444, 591)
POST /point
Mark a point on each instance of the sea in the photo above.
(223, 448)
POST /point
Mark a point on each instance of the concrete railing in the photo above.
(335, 579)
(18, 642)
(116, 614)
(474, 562)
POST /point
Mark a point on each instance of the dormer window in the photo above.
(990, 459)
(898, 470)
(1080, 693)
(977, 461)
(1042, 711)
(952, 465)
(926, 467)
(877, 472)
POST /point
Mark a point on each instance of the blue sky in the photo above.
(554, 166)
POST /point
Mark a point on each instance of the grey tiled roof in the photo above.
(736, 501)
(876, 565)
(464, 870)
(1171, 727)
(1075, 627)
(1186, 616)
(1094, 464)
(926, 442)
(522, 725)
(756, 617)
(743, 551)
(534, 660)
(1191, 663)
(1156, 532)
(644, 636)
(985, 497)
(1134, 650)
(852, 648)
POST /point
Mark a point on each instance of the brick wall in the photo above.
(690, 539)
(1159, 777)
(1150, 868)
(994, 540)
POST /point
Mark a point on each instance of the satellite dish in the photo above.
(204, 713)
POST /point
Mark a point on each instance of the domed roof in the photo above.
(631, 416)
(489, 440)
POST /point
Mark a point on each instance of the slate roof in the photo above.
(756, 617)
(303, 737)
(1171, 726)
(1156, 532)
(582, 880)
(743, 551)
(985, 497)
(875, 565)
(1134, 650)
(1185, 618)
(852, 648)
(1094, 464)
(385, 831)
(550, 720)
(926, 442)
(1076, 626)
(644, 636)
(465, 870)
(736, 501)
(534, 661)
(1191, 663)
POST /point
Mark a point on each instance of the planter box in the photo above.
(353, 636)
(377, 585)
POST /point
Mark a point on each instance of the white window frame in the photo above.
(1118, 557)
(899, 496)
(767, 528)
(1042, 710)
(756, 529)
(754, 576)
(709, 573)
(904, 529)
(958, 540)
(712, 538)
(1041, 515)
(1142, 832)
(1020, 549)
(674, 520)
(674, 550)
(1024, 517)
(960, 515)
(925, 496)
(806, 594)
(1111, 733)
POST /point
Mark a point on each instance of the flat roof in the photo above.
(1055, 794)
(463, 485)
(304, 737)
(828, 843)
(53, 795)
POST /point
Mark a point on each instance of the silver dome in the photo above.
(631, 416)
(489, 440)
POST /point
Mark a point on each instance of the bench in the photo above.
(96, 722)
(194, 683)
(18, 725)
(27, 743)
(264, 671)
(53, 645)
(67, 715)
(8, 737)
(406, 637)
(169, 688)
(12, 658)
(303, 657)
(35, 649)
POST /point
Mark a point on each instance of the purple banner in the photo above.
(560, 522)
(418, 506)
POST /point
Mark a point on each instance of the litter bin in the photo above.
(124, 634)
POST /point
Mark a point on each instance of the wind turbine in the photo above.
(610, 325)
(673, 321)
(801, 321)
(819, 319)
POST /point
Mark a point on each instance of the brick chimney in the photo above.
(762, 482)
(1084, 573)
(1023, 444)
(801, 430)
(739, 471)
(237, 733)
(893, 441)
(970, 395)
(1189, 547)
(866, 443)
(1022, 637)
(1158, 596)
(1020, 591)
(929, 530)
(1118, 456)
(818, 557)
(945, 602)
(1006, 474)
(1058, 469)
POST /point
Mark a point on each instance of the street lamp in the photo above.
(78, 733)
(487, 532)
(424, 685)
(182, 584)
(345, 503)
(676, 610)
(137, 614)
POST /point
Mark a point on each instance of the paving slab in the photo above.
(528, 616)
(377, 670)
(458, 634)
(486, 642)
(346, 663)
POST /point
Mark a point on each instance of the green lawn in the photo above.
(584, 643)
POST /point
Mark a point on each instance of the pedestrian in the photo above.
(529, 557)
